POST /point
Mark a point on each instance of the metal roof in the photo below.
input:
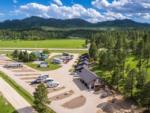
(87, 75)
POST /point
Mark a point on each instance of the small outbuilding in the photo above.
(43, 64)
(89, 78)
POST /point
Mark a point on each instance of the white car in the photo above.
(52, 84)
(48, 80)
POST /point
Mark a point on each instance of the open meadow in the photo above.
(60, 43)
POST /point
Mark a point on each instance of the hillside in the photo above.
(38, 22)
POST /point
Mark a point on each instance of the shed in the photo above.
(88, 77)
(43, 64)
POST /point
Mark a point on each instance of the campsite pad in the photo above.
(25, 75)
(75, 103)
(61, 96)
(21, 70)
(4, 62)
(28, 78)
(50, 90)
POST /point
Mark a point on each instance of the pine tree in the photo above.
(41, 98)
(93, 51)
(130, 82)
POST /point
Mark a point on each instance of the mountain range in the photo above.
(38, 22)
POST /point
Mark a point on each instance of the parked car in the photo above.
(57, 61)
(52, 84)
(40, 79)
(44, 76)
(36, 81)
(49, 80)
(43, 64)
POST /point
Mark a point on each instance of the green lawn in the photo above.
(5, 107)
(132, 61)
(51, 66)
(60, 43)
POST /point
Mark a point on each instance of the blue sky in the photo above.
(90, 10)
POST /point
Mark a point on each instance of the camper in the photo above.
(14, 65)
(57, 61)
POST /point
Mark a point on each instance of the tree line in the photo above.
(42, 34)
(132, 81)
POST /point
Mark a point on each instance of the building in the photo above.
(43, 64)
(89, 78)
(85, 62)
(79, 68)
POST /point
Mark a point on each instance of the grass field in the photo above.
(5, 107)
(60, 43)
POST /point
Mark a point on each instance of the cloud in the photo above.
(118, 9)
(100, 3)
(15, 1)
(58, 2)
(62, 12)
(145, 16)
(112, 16)
(1, 14)
(129, 8)
(123, 6)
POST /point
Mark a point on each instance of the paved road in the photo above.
(18, 102)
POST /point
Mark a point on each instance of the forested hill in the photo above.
(38, 22)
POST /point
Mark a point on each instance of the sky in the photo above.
(89, 10)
